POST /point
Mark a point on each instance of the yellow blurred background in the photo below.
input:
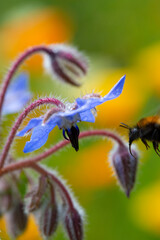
(122, 41)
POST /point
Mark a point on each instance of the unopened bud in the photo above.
(16, 220)
(6, 197)
(49, 219)
(73, 224)
(125, 166)
(66, 64)
(34, 197)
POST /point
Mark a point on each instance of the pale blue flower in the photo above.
(66, 119)
(17, 95)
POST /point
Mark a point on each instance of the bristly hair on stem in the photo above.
(19, 120)
(66, 64)
(55, 54)
(121, 153)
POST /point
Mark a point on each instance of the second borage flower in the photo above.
(66, 118)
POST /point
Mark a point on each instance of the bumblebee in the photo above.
(147, 129)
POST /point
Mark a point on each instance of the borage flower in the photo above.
(17, 95)
(67, 118)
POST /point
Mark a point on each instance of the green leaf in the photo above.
(22, 184)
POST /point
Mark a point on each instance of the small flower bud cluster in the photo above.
(51, 203)
(12, 207)
(50, 200)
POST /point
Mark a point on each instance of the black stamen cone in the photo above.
(73, 134)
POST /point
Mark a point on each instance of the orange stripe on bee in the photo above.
(149, 120)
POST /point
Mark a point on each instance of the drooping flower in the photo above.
(65, 63)
(125, 167)
(67, 119)
(50, 25)
(17, 95)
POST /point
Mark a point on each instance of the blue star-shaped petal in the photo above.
(17, 95)
(66, 120)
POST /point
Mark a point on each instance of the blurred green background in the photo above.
(120, 37)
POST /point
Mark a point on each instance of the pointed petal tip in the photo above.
(123, 78)
(128, 191)
(76, 149)
(28, 147)
(19, 134)
(25, 150)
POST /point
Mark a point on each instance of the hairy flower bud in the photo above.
(73, 224)
(49, 219)
(66, 64)
(47, 215)
(6, 197)
(34, 197)
(16, 219)
(125, 166)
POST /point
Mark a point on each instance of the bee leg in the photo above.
(158, 147)
(155, 146)
(145, 143)
(131, 151)
(156, 137)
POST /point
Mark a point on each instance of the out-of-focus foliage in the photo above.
(114, 28)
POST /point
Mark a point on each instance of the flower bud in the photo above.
(125, 166)
(73, 224)
(66, 64)
(34, 197)
(6, 197)
(16, 220)
(49, 219)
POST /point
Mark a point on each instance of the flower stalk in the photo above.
(20, 119)
(16, 65)
(73, 63)
(41, 170)
(26, 163)
(51, 198)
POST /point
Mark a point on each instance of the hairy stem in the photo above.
(64, 190)
(28, 162)
(20, 119)
(16, 65)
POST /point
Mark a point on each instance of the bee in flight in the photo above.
(147, 129)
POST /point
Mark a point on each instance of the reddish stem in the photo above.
(28, 162)
(19, 121)
(64, 190)
(16, 65)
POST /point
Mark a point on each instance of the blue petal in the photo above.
(32, 123)
(19, 84)
(116, 90)
(82, 113)
(17, 95)
(87, 116)
(39, 136)
(80, 102)
(86, 104)
(16, 103)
